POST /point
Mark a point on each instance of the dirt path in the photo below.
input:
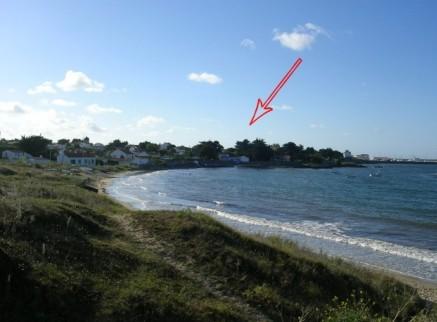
(166, 251)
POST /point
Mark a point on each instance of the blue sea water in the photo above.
(385, 217)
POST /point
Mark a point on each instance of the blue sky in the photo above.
(185, 71)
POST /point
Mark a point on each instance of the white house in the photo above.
(56, 146)
(121, 155)
(364, 157)
(347, 154)
(244, 159)
(236, 159)
(79, 158)
(84, 145)
(164, 146)
(15, 155)
(98, 146)
(180, 150)
(139, 161)
(224, 157)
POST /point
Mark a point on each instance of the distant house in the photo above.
(84, 145)
(56, 146)
(224, 157)
(164, 146)
(98, 146)
(121, 155)
(364, 157)
(180, 150)
(140, 160)
(236, 159)
(79, 158)
(382, 159)
(347, 154)
(245, 159)
(15, 155)
(132, 148)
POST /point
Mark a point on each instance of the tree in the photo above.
(148, 146)
(230, 151)
(293, 150)
(208, 150)
(35, 145)
(260, 151)
(331, 155)
(63, 141)
(243, 147)
(117, 144)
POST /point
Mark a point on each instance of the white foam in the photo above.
(331, 232)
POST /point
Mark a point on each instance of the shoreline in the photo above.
(426, 288)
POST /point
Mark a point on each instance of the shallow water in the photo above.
(380, 216)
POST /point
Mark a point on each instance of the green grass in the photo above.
(68, 254)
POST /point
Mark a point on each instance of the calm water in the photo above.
(380, 216)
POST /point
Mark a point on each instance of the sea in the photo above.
(381, 215)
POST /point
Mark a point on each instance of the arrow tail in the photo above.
(283, 81)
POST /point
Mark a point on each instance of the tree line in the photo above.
(257, 150)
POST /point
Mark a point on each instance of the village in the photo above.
(83, 153)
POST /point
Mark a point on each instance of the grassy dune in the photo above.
(70, 254)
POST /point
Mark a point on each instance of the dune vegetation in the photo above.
(70, 254)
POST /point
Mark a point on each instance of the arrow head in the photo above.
(260, 111)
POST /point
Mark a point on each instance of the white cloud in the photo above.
(317, 126)
(63, 103)
(13, 107)
(248, 43)
(74, 81)
(205, 78)
(44, 88)
(150, 120)
(19, 119)
(302, 37)
(283, 107)
(97, 109)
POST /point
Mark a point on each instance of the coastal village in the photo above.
(83, 153)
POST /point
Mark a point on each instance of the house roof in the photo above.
(79, 154)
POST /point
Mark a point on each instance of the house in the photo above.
(15, 155)
(236, 159)
(382, 159)
(98, 146)
(224, 157)
(140, 159)
(364, 157)
(347, 154)
(164, 146)
(181, 150)
(79, 158)
(245, 159)
(121, 155)
(56, 146)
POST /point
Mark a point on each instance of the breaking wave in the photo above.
(327, 231)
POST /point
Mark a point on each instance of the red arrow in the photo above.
(265, 108)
